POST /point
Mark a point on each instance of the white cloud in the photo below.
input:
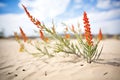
(104, 15)
(105, 20)
(11, 23)
(46, 8)
(2, 4)
(41, 9)
(116, 3)
(78, 1)
(104, 4)
(77, 6)
(109, 27)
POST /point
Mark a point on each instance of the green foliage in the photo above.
(78, 47)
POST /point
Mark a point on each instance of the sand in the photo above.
(22, 66)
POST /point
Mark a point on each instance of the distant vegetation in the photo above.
(105, 36)
(1, 33)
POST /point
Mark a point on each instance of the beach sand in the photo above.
(23, 66)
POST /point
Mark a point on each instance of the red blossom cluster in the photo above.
(88, 34)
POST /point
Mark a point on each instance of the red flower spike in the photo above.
(100, 35)
(88, 34)
(35, 21)
(23, 35)
(27, 11)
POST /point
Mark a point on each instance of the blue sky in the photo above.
(9, 6)
(102, 14)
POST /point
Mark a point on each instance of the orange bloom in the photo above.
(46, 39)
(67, 36)
(41, 35)
(100, 35)
(35, 21)
(88, 34)
(22, 48)
(23, 35)
(16, 36)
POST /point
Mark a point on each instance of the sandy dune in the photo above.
(22, 66)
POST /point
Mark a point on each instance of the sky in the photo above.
(104, 14)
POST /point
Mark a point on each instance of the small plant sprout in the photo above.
(83, 48)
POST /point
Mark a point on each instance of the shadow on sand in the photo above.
(113, 62)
